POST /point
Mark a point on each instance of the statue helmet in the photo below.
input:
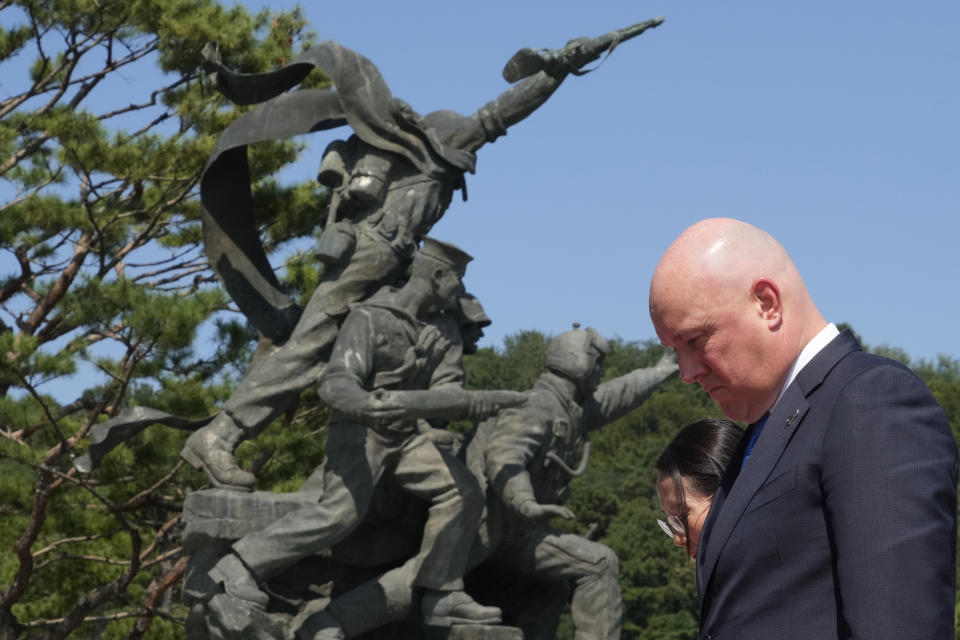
(574, 354)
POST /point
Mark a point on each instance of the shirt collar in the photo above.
(821, 340)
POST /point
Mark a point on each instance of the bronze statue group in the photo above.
(383, 336)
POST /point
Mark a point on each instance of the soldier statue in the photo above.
(391, 181)
(390, 367)
(526, 457)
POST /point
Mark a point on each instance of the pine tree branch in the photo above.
(148, 233)
(113, 617)
(10, 104)
(61, 286)
(56, 543)
(140, 499)
(80, 556)
(152, 102)
(173, 553)
(161, 534)
(21, 435)
(28, 149)
(42, 623)
(44, 486)
(66, 68)
(30, 192)
(14, 285)
(62, 448)
(71, 59)
(159, 284)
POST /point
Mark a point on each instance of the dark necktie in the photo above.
(757, 428)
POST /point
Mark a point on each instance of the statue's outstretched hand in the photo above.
(484, 404)
(535, 511)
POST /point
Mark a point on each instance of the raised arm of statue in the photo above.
(491, 121)
(618, 397)
(536, 74)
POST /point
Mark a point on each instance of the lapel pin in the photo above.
(791, 418)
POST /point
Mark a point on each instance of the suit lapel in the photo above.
(812, 375)
(783, 422)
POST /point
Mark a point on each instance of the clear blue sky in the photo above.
(831, 125)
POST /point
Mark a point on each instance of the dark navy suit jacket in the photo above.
(843, 522)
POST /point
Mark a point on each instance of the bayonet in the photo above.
(574, 55)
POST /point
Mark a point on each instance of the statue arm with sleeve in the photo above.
(536, 74)
(616, 398)
(449, 402)
(343, 384)
(517, 437)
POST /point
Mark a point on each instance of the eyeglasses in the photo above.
(673, 526)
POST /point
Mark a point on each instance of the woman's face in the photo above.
(695, 507)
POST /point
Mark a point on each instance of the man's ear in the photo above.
(769, 303)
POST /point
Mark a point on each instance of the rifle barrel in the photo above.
(577, 52)
(594, 48)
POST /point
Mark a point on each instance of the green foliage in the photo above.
(105, 294)
(516, 367)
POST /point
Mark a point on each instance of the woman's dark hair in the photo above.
(699, 454)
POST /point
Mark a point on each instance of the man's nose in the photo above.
(691, 368)
(679, 539)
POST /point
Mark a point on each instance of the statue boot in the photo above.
(238, 581)
(321, 626)
(447, 608)
(211, 448)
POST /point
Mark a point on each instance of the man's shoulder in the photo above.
(842, 360)
(858, 363)
(870, 380)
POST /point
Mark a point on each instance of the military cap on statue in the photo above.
(445, 253)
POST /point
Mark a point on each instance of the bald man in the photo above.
(838, 516)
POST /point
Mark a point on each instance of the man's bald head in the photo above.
(729, 299)
(721, 250)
